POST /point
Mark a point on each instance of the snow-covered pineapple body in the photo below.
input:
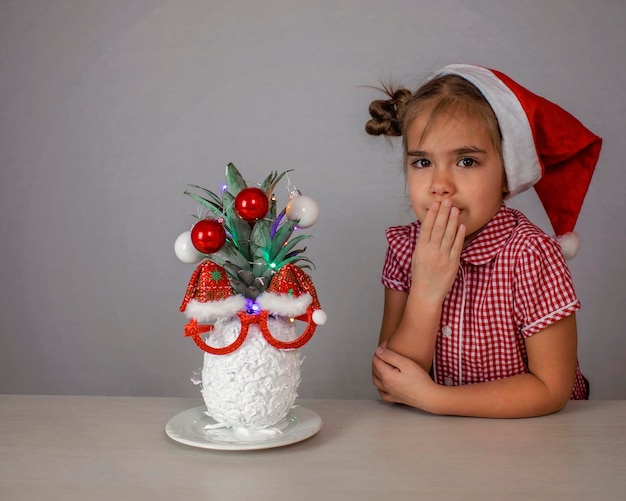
(256, 385)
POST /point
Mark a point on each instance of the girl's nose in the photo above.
(441, 183)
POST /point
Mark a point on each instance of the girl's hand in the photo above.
(438, 251)
(400, 380)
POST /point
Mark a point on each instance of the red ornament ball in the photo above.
(208, 236)
(251, 204)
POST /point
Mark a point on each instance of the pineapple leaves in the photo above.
(216, 209)
(268, 186)
(260, 245)
(281, 236)
(295, 259)
(237, 227)
(216, 199)
(271, 213)
(230, 254)
(271, 181)
(253, 252)
(285, 250)
(234, 180)
(260, 264)
(231, 269)
(260, 236)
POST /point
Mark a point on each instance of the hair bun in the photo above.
(386, 113)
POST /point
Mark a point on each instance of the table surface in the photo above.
(91, 448)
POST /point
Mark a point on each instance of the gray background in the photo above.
(109, 108)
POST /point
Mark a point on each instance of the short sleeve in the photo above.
(544, 292)
(397, 268)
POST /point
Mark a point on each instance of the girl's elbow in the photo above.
(560, 403)
(555, 395)
(559, 397)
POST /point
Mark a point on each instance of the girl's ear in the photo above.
(505, 187)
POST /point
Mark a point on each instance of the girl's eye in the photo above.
(467, 163)
(420, 163)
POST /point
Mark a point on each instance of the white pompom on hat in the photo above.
(543, 146)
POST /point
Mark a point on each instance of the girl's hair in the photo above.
(445, 95)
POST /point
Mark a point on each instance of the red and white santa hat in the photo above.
(542, 146)
(291, 293)
(209, 294)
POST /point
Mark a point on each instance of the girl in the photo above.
(479, 313)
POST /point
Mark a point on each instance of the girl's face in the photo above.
(455, 160)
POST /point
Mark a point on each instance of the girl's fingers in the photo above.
(441, 221)
(459, 242)
(441, 225)
(429, 221)
(451, 228)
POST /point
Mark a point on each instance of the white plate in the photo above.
(188, 428)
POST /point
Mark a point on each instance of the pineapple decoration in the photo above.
(244, 297)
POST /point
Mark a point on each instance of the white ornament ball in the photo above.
(185, 250)
(304, 210)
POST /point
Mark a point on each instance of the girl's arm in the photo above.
(544, 390)
(395, 302)
(410, 321)
(410, 326)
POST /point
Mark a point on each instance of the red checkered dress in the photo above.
(512, 283)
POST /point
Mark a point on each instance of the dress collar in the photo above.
(491, 238)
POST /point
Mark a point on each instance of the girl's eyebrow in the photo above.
(459, 151)
(469, 149)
